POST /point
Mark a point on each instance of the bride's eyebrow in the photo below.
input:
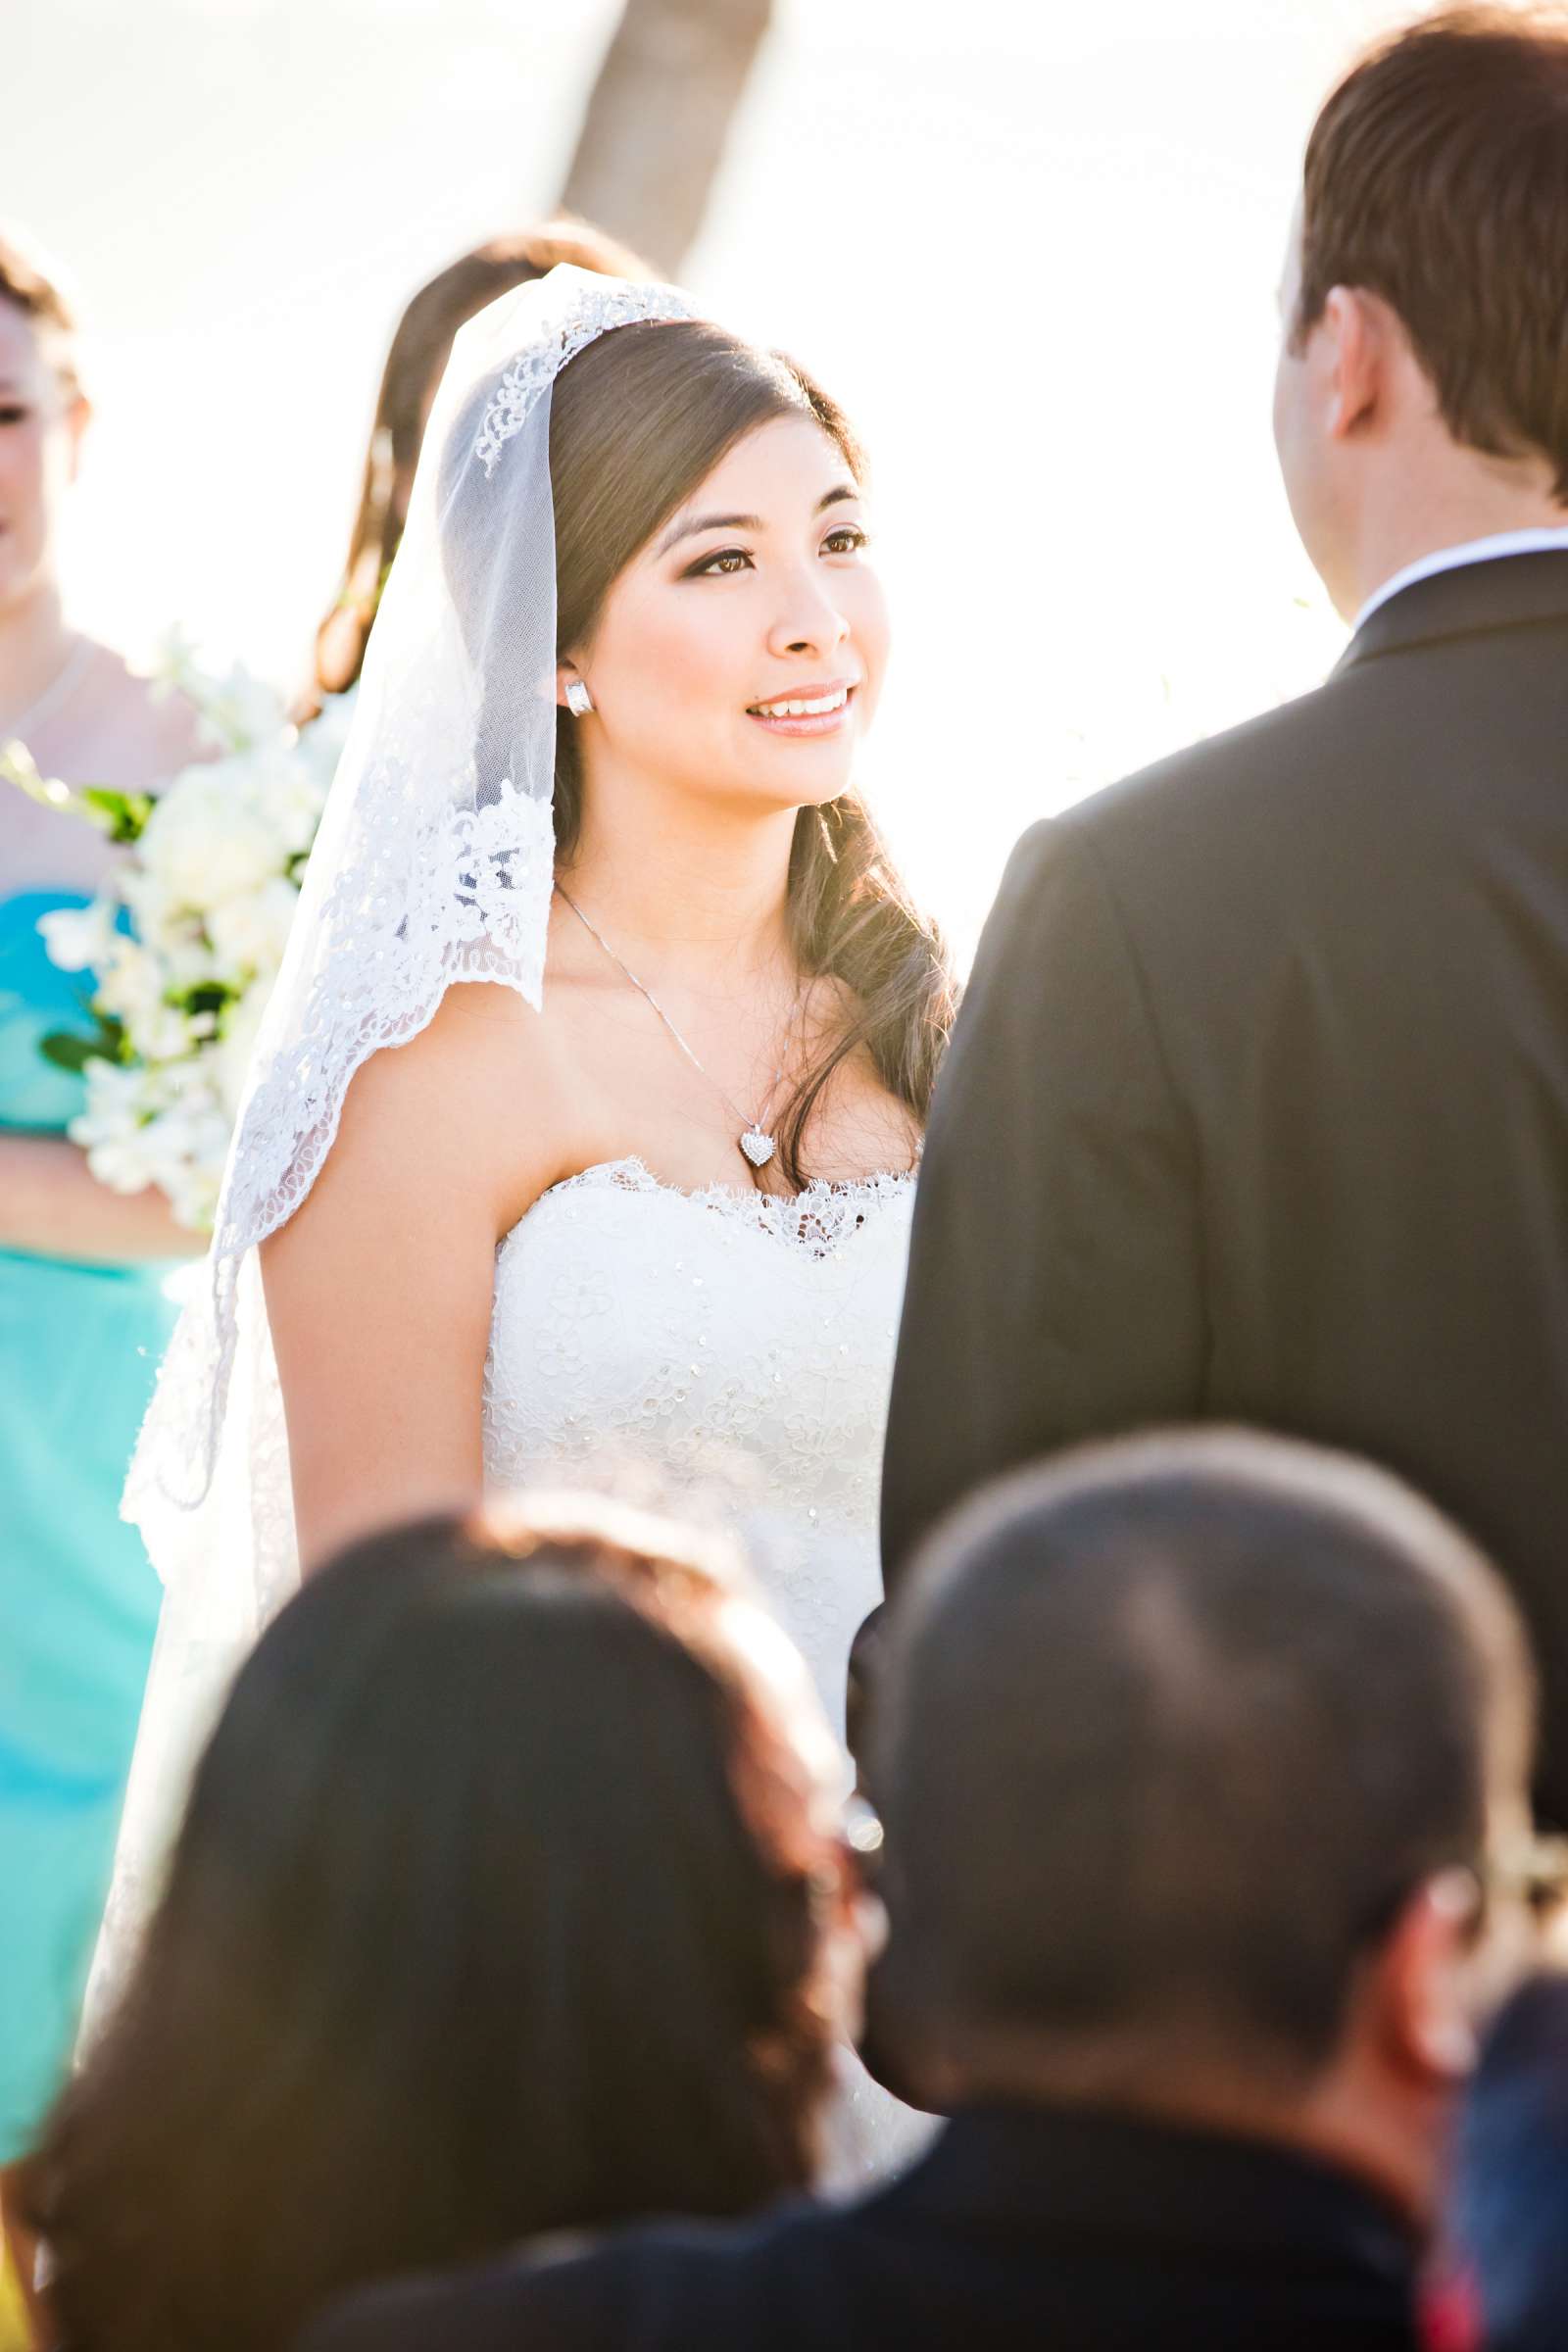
(710, 523)
(746, 522)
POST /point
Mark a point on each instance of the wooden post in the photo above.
(656, 124)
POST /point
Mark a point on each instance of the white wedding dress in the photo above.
(733, 1350)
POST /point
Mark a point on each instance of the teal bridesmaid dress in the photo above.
(80, 1344)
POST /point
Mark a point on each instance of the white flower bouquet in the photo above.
(184, 943)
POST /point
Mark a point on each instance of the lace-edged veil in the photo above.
(433, 864)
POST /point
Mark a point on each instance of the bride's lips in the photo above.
(826, 709)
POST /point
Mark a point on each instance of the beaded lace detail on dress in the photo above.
(817, 1219)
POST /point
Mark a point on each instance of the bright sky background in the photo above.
(1032, 247)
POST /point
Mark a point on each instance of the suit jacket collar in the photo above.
(1145, 2187)
(1507, 592)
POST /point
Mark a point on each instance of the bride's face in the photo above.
(757, 594)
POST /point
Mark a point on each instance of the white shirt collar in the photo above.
(1473, 550)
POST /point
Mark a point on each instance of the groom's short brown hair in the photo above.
(1436, 176)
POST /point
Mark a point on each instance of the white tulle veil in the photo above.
(433, 864)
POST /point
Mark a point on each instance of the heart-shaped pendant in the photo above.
(758, 1147)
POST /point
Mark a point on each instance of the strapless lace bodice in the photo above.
(738, 1347)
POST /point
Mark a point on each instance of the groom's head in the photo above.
(1422, 394)
(1203, 1760)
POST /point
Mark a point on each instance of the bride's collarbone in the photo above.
(697, 1155)
(562, 1093)
(675, 1123)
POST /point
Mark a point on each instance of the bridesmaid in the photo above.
(82, 1315)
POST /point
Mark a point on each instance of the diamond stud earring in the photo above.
(579, 701)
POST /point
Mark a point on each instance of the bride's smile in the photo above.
(811, 711)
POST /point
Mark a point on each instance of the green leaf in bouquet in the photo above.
(119, 814)
(123, 814)
(68, 1049)
(209, 996)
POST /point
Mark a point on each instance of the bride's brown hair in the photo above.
(638, 420)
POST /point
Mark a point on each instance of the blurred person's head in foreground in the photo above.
(1422, 394)
(44, 417)
(421, 343)
(1203, 1764)
(1509, 2217)
(509, 1899)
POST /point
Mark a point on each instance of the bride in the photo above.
(634, 1188)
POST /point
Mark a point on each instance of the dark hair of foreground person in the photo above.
(1204, 1759)
(1246, 1698)
(497, 1910)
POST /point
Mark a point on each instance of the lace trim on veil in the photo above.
(475, 891)
(535, 370)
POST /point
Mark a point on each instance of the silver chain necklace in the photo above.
(754, 1140)
(59, 686)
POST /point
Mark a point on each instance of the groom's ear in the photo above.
(1357, 328)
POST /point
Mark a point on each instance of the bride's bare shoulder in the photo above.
(479, 1097)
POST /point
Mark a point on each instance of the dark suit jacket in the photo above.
(1076, 2234)
(1257, 1108)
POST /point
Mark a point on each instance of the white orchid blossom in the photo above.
(186, 942)
(79, 939)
